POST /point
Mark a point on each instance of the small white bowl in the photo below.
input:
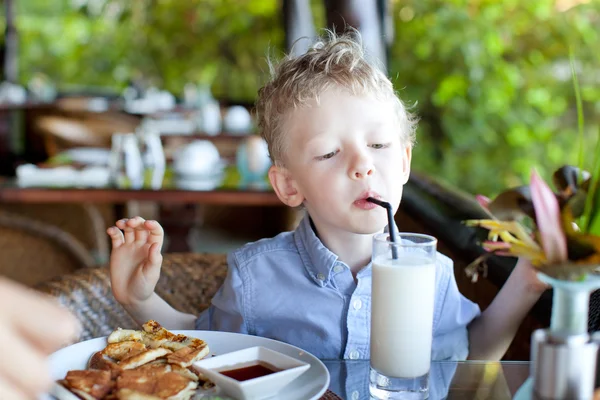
(262, 387)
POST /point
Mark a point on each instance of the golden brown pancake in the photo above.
(143, 358)
(186, 356)
(122, 335)
(122, 350)
(185, 372)
(162, 385)
(99, 360)
(90, 383)
(151, 364)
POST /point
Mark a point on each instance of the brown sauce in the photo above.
(250, 372)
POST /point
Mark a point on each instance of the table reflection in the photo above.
(448, 379)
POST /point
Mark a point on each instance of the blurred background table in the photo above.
(11, 192)
(179, 210)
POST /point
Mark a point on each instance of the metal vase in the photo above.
(564, 357)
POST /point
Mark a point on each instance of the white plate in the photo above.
(88, 155)
(310, 385)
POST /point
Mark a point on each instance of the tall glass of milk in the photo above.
(402, 295)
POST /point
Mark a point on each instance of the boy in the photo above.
(337, 134)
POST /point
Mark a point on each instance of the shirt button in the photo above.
(321, 277)
(355, 395)
(357, 304)
(354, 355)
(338, 268)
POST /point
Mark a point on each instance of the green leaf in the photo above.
(580, 122)
(591, 216)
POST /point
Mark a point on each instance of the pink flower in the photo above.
(548, 220)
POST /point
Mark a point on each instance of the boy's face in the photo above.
(340, 151)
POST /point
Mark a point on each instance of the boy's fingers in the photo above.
(141, 232)
(8, 390)
(38, 319)
(152, 267)
(156, 233)
(129, 231)
(154, 254)
(28, 367)
(116, 236)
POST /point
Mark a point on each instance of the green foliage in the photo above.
(167, 43)
(490, 79)
(492, 83)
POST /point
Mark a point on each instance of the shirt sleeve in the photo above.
(226, 310)
(450, 336)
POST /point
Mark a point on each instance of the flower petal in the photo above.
(548, 220)
(483, 201)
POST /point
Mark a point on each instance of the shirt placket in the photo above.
(358, 319)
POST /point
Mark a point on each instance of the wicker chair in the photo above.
(86, 222)
(188, 282)
(32, 251)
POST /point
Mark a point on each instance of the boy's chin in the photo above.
(369, 227)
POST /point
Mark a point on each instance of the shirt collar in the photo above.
(317, 259)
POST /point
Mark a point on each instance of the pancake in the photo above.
(186, 356)
(143, 358)
(123, 335)
(149, 364)
(164, 385)
(90, 384)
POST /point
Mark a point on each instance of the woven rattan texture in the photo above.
(188, 282)
(86, 222)
(34, 251)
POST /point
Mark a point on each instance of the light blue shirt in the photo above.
(294, 289)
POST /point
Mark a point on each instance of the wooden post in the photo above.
(369, 17)
(11, 121)
(298, 25)
(11, 65)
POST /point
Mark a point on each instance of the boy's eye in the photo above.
(380, 145)
(327, 156)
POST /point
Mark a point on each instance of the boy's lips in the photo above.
(362, 202)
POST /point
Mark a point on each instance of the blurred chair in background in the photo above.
(86, 222)
(32, 252)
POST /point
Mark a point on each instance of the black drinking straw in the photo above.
(391, 225)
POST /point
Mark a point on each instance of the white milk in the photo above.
(402, 315)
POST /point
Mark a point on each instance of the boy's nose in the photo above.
(362, 169)
(363, 174)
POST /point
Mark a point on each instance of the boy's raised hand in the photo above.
(135, 259)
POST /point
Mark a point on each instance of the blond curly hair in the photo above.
(332, 61)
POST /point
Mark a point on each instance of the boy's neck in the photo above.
(355, 250)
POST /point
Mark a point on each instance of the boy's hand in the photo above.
(135, 259)
(28, 333)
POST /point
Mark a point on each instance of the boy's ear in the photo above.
(406, 164)
(285, 186)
